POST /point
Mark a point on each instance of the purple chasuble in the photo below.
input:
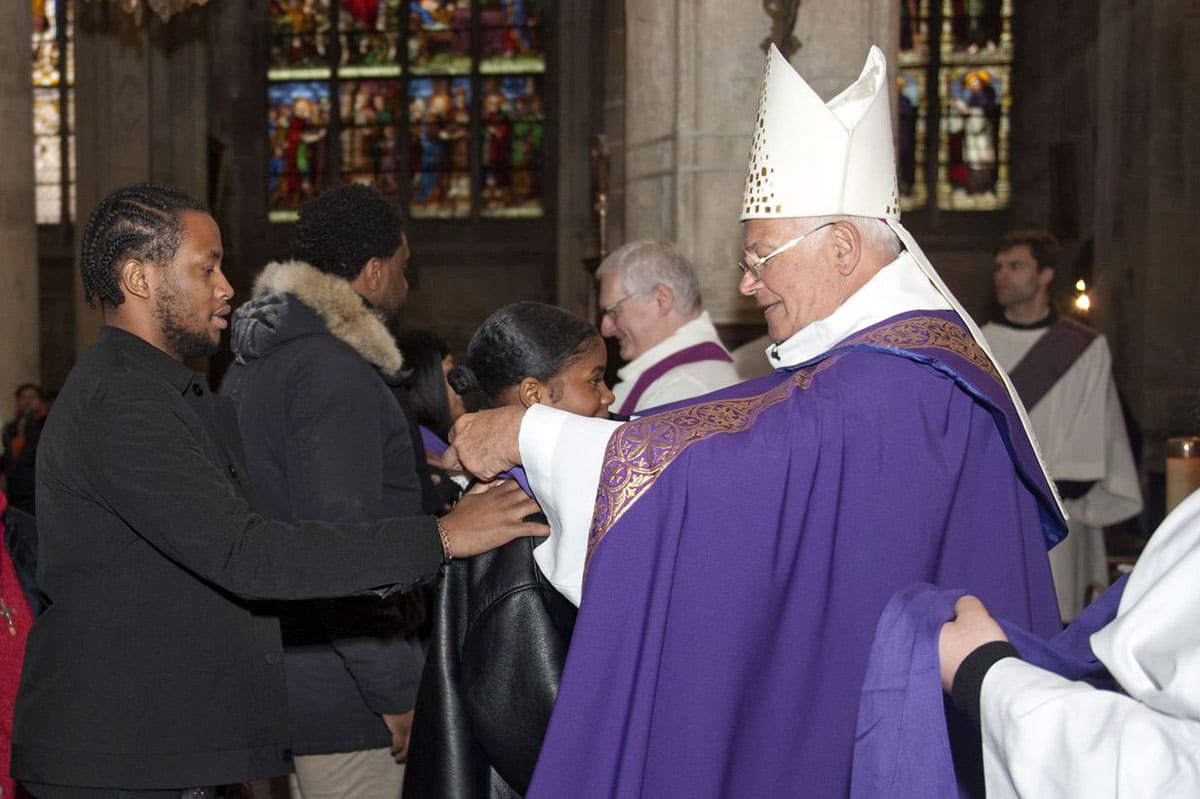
(704, 351)
(744, 546)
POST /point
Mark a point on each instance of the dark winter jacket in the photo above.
(152, 667)
(325, 439)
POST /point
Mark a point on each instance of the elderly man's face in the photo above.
(630, 320)
(797, 287)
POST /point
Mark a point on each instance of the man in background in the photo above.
(650, 304)
(1062, 370)
(20, 445)
(326, 439)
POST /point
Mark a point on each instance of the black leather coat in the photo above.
(499, 642)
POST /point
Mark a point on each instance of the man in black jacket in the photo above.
(154, 670)
(326, 439)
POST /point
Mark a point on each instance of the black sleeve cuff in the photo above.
(968, 680)
(1073, 489)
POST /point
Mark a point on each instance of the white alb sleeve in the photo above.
(1045, 736)
(562, 454)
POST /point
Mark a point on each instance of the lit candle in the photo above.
(1183, 468)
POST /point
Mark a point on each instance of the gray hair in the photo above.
(875, 232)
(645, 264)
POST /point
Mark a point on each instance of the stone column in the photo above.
(1147, 197)
(18, 230)
(141, 111)
(693, 69)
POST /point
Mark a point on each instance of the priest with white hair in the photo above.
(731, 555)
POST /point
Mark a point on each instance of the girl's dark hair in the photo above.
(525, 339)
(425, 386)
(140, 221)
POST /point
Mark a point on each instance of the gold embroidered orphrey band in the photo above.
(641, 450)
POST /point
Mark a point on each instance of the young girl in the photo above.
(501, 631)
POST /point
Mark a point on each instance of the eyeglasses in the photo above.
(615, 308)
(761, 263)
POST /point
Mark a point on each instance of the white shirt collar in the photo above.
(694, 331)
(897, 288)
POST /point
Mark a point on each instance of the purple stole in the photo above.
(745, 544)
(1049, 359)
(704, 351)
(900, 746)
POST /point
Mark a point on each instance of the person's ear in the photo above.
(847, 247)
(1046, 276)
(530, 391)
(133, 279)
(373, 274)
(664, 299)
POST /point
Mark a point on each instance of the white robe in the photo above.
(1081, 431)
(684, 381)
(1046, 737)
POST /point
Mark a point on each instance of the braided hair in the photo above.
(341, 229)
(139, 221)
(525, 339)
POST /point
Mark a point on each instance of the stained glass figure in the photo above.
(370, 115)
(297, 131)
(512, 127)
(439, 117)
(53, 57)
(369, 36)
(976, 31)
(914, 32)
(299, 39)
(512, 36)
(973, 150)
(439, 41)
(912, 102)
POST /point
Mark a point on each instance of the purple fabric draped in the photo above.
(745, 545)
(432, 441)
(900, 746)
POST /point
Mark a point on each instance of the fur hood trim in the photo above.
(339, 305)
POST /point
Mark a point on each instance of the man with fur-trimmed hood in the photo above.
(326, 439)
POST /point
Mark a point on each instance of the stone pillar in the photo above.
(580, 66)
(141, 111)
(1146, 200)
(693, 70)
(18, 229)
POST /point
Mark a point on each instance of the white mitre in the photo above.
(810, 158)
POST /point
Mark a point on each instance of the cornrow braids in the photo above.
(342, 228)
(139, 221)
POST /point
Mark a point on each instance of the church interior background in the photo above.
(523, 138)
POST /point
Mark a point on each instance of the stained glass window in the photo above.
(954, 96)
(440, 103)
(53, 74)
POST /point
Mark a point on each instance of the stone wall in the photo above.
(18, 236)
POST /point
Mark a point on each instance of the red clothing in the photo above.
(12, 651)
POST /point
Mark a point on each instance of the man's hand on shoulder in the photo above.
(489, 516)
(486, 443)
